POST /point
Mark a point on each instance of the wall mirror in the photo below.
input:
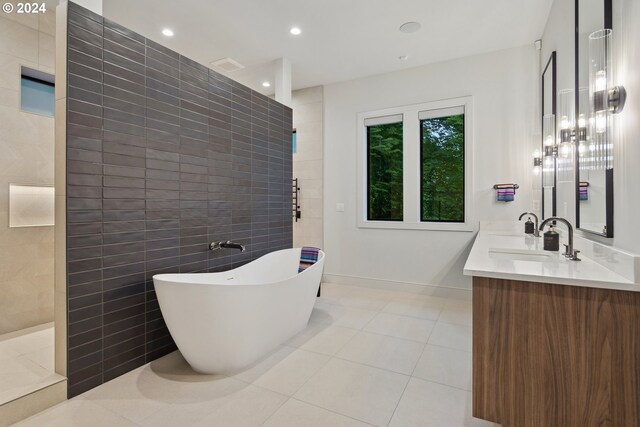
(547, 153)
(593, 154)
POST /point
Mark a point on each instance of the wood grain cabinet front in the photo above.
(548, 355)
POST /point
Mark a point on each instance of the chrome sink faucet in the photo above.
(536, 231)
(569, 253)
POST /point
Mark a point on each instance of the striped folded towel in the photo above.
(506, 194)
(308, 257)
(584, 191)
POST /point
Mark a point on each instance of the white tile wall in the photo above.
(308, 165)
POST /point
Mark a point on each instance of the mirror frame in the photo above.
(608, 232)
(551, 66)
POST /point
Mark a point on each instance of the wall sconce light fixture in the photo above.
(605, 98)
(585, 144)
(567, 120)
(550, 150)
(549, 132)
(566, 135)
(537, 162)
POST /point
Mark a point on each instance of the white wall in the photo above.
(307, 165)
(93, 5)
(504, 87)
(626, 31)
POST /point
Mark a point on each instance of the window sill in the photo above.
(433, 226)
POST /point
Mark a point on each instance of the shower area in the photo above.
(27, 60)
(119, 159)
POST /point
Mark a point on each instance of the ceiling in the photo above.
(341, 39)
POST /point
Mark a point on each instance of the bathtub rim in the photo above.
(179, 278)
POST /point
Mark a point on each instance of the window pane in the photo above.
(37, 96)
(294, 142)
(442, 175)
(384, 172)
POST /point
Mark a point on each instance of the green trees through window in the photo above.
(384, 172)
(442, 169)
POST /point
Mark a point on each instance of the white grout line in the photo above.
(442, 384)
(324, 409)
(398, 402)
(396, 314)
(412, 374)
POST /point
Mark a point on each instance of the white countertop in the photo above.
(497, 247)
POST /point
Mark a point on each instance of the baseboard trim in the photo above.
(33, 403)
(24, 331)
(409, 287)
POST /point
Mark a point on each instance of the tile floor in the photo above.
(368, 357)
(26, 362)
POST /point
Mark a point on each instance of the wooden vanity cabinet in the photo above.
(549, 355)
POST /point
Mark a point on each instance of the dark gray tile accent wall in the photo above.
(163, 157)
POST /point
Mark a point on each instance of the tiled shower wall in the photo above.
(163, 157)
(307, 165)
(26, 158)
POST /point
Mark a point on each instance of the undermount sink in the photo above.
(521, 255)
(507, 233)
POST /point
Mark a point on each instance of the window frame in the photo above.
(412, 167)
(399, 118)
(437, 114)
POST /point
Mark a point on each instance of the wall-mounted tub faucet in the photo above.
(225, 244)
(536, 231)
(569, 253)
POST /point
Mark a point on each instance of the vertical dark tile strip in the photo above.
(84, 201)
(163, 156)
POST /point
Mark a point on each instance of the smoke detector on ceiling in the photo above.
(410, 27)
(227, 65)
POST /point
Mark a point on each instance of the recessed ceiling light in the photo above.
(410, 27)
(295, 31)
(168, 32)
(403, 57)
(266, 84)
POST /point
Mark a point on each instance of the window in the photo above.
(294, 141)
(37, 92)
(415, 167)
(384, 169)
(442, 165)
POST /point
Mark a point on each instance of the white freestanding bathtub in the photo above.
(222, 322)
